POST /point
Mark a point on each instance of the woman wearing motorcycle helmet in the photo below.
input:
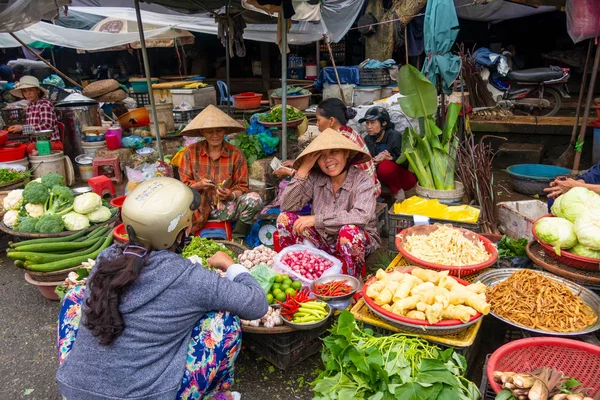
(385, 146)
(155, 326)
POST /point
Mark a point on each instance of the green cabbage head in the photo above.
(75, 222)
(587, 228)
(557, 232)
(583, 251)
(556, 208)
(576, 201)
(87, 203)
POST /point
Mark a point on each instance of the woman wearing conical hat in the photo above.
(219, 171)
(343, 220)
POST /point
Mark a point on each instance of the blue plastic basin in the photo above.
(538, 172)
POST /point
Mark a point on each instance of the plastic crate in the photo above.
(184, 117)
(399, 222)
(375, 77)
(285, 349)
(142, 99)
(484, 387)
(13, 116)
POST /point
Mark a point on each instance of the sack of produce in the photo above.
(306, 263)
(265, 276)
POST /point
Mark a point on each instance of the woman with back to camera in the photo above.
(333, 113)
(155, 326)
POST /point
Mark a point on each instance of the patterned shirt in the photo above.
(196, 164)
(40, 116)
(353, 204)
(369, 166)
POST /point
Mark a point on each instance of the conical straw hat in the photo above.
(211, 117)
(331, 139)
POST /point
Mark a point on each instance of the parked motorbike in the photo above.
(538, 90)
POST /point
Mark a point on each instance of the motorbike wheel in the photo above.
(555, 100)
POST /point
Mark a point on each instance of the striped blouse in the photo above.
(353, 204)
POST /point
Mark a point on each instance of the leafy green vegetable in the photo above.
(61, 200)
(50, 223)
(26, 224)
(53, 179)
(360, 365)
(276, 114)
(249, 145)
(504, 395)
(9, 175)
(205, 249)
(508, 247)
(35, 193)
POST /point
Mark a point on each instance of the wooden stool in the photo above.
(110, 162)
(102, 185)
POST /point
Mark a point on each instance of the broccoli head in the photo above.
(50, 224)
(35, 193)
(52, 179)
(61, 200)
(26, 224)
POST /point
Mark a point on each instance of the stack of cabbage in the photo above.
(46, 205)
(576, 227)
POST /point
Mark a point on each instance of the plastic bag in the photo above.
(144, 172)
(582, 19)
(268, 142)
(265, 276)
(135, 142)
(279, 266)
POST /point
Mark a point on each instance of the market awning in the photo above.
(441, 29)
(18, 14)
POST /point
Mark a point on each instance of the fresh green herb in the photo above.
(276, 114)
(205, 249)
(360, 365)
(10, 175)
(249, 145)
(508, 247)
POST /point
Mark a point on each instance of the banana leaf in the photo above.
(419, 96)
(451, 123)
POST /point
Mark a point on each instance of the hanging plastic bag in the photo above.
(268, 142)
(279, 266)
(265, 276)
(582, 19)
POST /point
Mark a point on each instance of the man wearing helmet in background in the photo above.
(385, 146)
(155, 326)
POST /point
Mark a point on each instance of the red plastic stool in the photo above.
(220, 230)
(108, 162)
(102, 185)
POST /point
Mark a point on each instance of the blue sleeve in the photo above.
(592, 176)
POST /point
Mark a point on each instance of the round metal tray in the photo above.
(350, 280)
(309, 326)
(496, 276)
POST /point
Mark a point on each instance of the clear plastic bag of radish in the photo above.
(306, 263)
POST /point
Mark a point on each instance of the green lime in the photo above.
(275, 286)
(276, 292)
(281, 296)
(278, 278)
(270, 298)
(287, 282)
(284, 287)
(290, 291)
(297, 285)
(284, 277)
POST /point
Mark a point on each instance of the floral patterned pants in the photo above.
(351, 244)
(214, 346)
(243, 209)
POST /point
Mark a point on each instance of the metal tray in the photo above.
(494, 277)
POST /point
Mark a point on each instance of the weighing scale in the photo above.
(265, 234)
(42, 142)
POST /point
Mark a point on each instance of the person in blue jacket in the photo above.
(589, 180)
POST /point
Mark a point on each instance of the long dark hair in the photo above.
(337, 109)
(110, 280)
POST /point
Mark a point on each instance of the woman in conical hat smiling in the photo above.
(219, 171)
(343, 220)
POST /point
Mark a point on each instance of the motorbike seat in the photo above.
(535, 75)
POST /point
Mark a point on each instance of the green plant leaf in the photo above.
(572, 382)
(419, 96)
(451, 123)
(504, 395)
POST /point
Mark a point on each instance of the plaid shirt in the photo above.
(353, 204)
(369, 166)
(40, 116)
(197, 164)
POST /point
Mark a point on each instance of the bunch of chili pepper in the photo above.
(292, 303)
(333, 288)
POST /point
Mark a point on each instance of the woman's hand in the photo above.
(224, 194)
(307, 164)
(220, 261)
(203, 184)
(303, 223)
(283, 172)
(15, 129)
(288, 163)
(558, 186)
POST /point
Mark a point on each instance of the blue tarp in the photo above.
(348, 76)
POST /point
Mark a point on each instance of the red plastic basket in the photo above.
(119, 232)
(570, 259)
(454, 271)
(400, 318)
(247, 100)
(576, 359)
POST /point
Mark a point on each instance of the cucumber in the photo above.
(51, 247)
(49, 240)
(42, 258)
(19, 264)
(70, 262)
(94, 234)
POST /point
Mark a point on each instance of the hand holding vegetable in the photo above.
(559, 186)
(307, 164)
(224, 194)
(303, 223)
(220, 261)
(203, 184)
